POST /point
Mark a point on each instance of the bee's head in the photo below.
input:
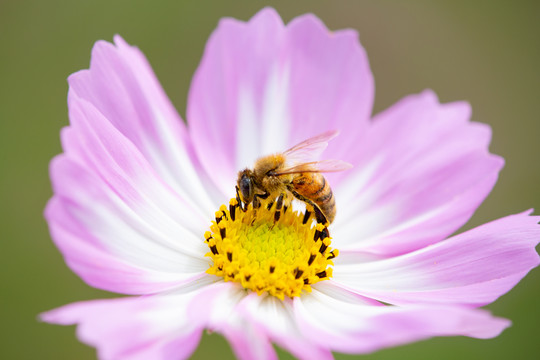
(246, 185)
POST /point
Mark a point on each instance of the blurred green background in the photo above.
(486, 52)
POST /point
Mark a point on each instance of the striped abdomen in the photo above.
(317, 192)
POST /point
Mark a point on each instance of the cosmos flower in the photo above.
(145, 205)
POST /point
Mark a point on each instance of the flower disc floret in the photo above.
(269, 249)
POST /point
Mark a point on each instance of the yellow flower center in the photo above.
(269, 249)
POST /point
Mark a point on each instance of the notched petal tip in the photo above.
(120, 42)
(268, 16)
(267, 13)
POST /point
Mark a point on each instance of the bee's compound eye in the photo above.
(246, 188)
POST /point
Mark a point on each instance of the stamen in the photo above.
(307, 215)
(233, 204)
(269, 249)
(222, 232)
(311, 258)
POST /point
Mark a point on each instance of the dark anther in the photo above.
(324, 233)
(298, 273)
(331, 255)
(220, 268)
(232, 211)
(306, 281)
(222, 232)
(247, 277)
(307, 214)
(229, 256)
(322, 274)
(214, 250)
(323, 248)
(208, 238)
(279, 202)
(311, 259)
(285, 209)
(269, 206)
(218, 219)
(277, 215)
(272, 268)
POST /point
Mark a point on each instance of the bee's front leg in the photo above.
(242, 204)
(256, 197)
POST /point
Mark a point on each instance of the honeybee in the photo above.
(294, 172)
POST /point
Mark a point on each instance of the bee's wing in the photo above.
(310, 149)
(316, 166)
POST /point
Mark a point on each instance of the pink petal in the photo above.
(166, 326)
(98, 147)
(261, 87)
(133, 328)
(218, 309)
(122, 87)
(473, 268)
(248, 342)
(112, 232)
(344, 324)
(421, 170)
(104, 269)
(273, 319)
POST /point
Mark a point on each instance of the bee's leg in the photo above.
(256, 203)
(319, 215)
(256, 197)
(321, 218)
(262, 196)
(242, 204)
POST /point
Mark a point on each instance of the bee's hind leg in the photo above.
(319, 215)
(321, 218)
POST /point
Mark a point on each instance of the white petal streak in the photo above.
(247, 141)
(473, 268)
(134, 232)
(351, 327)
(179, 171)
(140, 243)
(276, 319)
(265, 130)
(275, 112)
